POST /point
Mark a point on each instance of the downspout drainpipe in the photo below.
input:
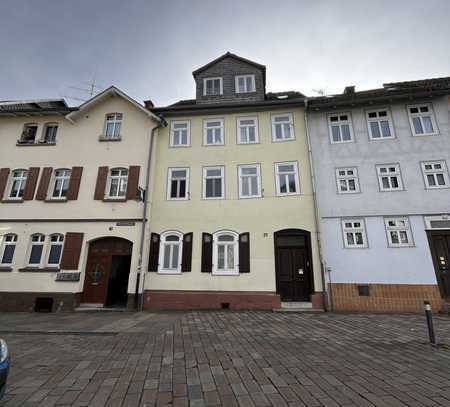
(329, 304)
(141, 270)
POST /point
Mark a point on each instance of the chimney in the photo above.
(148, 104)
(349, 90)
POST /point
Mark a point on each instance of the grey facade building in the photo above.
(381, 161)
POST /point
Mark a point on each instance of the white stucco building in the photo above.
(72, 210)
(381, 162)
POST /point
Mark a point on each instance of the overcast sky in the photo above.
(149, 48)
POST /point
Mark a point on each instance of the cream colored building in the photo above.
(232, 212)
(71, 210)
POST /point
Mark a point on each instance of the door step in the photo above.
(85, 307)
(296, 307)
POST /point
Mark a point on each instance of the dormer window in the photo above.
(29, 133)
(212, 86)
(245, 83)
(113, 124)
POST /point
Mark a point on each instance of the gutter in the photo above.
(141, 270)
(329, 299)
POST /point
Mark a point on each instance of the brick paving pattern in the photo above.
(221, 358)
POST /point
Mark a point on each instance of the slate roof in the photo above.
(390, 92)
(272, 99)
(38, 106)
(228, 55)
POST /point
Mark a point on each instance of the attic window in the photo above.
(212, 86)
(245, 83)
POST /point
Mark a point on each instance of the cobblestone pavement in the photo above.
(225, 359)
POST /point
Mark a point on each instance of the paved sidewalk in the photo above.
(225, 359)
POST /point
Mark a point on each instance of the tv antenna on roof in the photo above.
(88, 91)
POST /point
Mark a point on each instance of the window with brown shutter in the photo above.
(186, 257)
(73, 244)
(207, 252)
(74, 183)
(133, 182)
(30, 185)
(4, 174)
(153, 258)
(244, 253)
(100, 186)
(44, 182)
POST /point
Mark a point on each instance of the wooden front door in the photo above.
(98, 267)
(440, 251)
(293, 266)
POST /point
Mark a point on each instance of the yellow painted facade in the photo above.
(261, 217)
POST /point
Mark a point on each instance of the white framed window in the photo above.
(214, 182)
(354, 233)
(113, 124)
(60, 185)
(55, 248)
(7, 249)
(421, 119)
(379, 123)
(17, 184)
(389, 177)
(49, 133)
(347, 180)
(437, 222)
(212, 86)
(249, 181)
(178, 184)
(36, 249)
(117, 183)
(225, 253)
(398, 232)
(247, 130)
(213, 132)
(180, 133)
(245, 83)
(171, 248)
(435, 174)
(29, 133)
(340, 127)
(287, 179)
(283, 127)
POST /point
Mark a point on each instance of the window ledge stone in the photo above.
(104, 138)
(40, 269)
(56, 200)
(38, 144)
(5, 269)
(114, 200)
(12, 201)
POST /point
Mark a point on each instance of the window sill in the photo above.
(283, 140)
(12, 200)
(114, 200)
(233, 274)
(56, 200)
(39, 269)
(38, 144)
(169, 273)
(425, 134)
(104, 138)
(180, 146)
(5, 269)
(290, 194)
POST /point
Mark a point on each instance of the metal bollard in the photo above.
(430, 322)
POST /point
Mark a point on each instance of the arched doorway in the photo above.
(293, 265)
(107, 272)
